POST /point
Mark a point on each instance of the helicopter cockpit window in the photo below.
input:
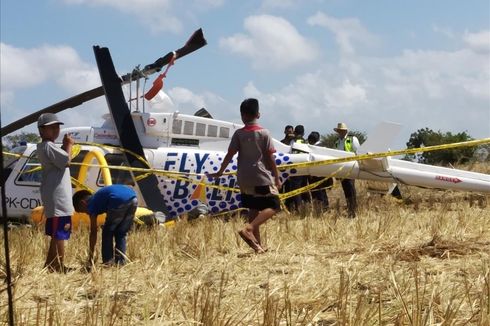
(188, 128)
(224, 132)
(31, 173)
(177, 127)
(212, 131)
(118, 176)
(200, 129)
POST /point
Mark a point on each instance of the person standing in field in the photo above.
(288, 135)
(120, 203)
(257, 173)
(296, 202)
(55, 189)
(347, 143)
(318, 194)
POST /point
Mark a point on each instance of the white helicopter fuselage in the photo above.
(193, 146)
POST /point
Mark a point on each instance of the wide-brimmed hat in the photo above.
(341, 126)
(47, 119)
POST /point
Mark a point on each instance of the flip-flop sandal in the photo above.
(254, 245)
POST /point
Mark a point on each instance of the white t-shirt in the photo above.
(56, 189)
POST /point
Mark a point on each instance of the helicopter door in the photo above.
(165, 124)
(22, 186)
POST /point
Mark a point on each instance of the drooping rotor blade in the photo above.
(125, 129)
(195, 42)
(55, 108)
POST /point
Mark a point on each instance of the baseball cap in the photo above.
(47, 119)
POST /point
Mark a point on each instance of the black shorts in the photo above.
(261, 202)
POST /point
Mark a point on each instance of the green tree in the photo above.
(427, 137)
(328, 140)
(11, 141)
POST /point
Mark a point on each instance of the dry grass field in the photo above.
(424, 260)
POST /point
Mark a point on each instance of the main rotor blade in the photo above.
(195, 42)
(126, 131)
(55, 108)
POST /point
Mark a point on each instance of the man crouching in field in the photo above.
(120, 204)
(257, 172)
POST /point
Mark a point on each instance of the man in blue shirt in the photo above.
(120, 203)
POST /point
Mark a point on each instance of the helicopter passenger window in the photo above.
(224, 132)
(212, 131)
(177, 127)
(117, 176)
(188, 128)
(200, 129)
(31, 173)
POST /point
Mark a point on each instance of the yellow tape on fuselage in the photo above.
(361, 157)
(185, 176)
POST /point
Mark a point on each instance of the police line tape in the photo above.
(309, 187)
(368, 156)
(185, 176)
(360, 157)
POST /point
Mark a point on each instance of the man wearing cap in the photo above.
(55, 188)
(347, 143)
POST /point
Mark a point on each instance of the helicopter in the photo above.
(165, 154)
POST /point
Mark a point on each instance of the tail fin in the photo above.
(381, 138)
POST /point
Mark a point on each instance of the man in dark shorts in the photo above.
(257, 174)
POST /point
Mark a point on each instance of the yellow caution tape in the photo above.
(185, 176)
(121, 149)
(75, 151)
(311, 186)
(78, 185)
(385, 154)
(13, 154)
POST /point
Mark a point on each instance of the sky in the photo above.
(312, 62)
